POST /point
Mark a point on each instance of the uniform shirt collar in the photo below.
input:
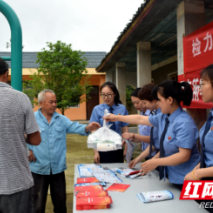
(174, 114)
(142, 113)
(113, 106)
(147, 112)
(2, 84)
(158, 110)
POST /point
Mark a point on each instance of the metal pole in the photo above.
(16, 45)
(6, 58)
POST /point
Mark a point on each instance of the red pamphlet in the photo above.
(88, 188)
(88, 203)
(97, 193)
(87, 180)
(117, 187)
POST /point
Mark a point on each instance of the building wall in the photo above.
(131, 79)
(78, 113)
(161, 74)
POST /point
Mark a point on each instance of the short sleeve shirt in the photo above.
(144, 130)
(156, 141)
(16, 119)
(182, 132)
(208, 142)
(50, 154)
(98, 113)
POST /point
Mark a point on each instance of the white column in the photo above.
(190, 17)
(109, 76)
(121, 81)
(143, 63)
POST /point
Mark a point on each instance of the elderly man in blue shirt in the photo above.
(48, 160)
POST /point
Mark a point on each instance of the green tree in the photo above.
(61, 69)
(129, 89)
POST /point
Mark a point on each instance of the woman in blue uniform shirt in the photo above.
(151, 103)
(204, 170)
(177, 132)
(144, 130)
(112, 102)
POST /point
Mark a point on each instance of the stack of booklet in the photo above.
(92, 197)
(153, 196)
(89, 190)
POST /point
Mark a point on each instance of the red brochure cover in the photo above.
(117, 187)
(88, 188)
(87, 180)
(88, 203)
(98, 193)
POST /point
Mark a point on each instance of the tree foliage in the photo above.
(61, 69)
(129, 90)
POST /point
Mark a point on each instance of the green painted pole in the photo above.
(6, 58)
(16, 45)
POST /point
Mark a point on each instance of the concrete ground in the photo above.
(77, 153)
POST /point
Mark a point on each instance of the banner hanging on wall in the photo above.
(198, 54)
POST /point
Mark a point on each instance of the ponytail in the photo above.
(178, 91)
(186, 93)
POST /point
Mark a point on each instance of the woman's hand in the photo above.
(195, 175)
(148, 166)
(189, 176)
(110, 117)
(134, 162)
(128, 136)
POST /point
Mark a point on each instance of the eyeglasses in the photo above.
(108, 95)
(203, 83)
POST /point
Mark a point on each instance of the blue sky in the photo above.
(89, 25)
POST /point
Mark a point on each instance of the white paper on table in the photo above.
(149, 175)
(125, 172)
(114, 169)
(130, 149)
(85, 170)
(153, 196)
(107, 176)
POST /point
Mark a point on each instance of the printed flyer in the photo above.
(153, 196)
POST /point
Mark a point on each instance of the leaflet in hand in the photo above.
(125, 172)
(130, 150)
(153, 196)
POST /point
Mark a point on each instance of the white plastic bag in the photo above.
(104, 139)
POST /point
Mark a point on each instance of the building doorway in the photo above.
(173, 76)
(92, 101)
